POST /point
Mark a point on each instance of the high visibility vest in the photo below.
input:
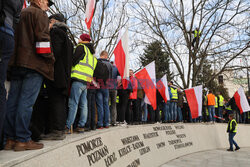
(117, 99)
(231, 123)
(248, 115)
(229, 108)
(221, 101)
(134, 83)
(174, 94)
(196, 33)
(84, 70)
(216, 102)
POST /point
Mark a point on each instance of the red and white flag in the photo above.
(146, 77)
(24, 4)
(194, 98)
(241, 101)
(121, 53)
(162, 86)
(90, 8)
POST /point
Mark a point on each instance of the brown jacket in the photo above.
(32, 42)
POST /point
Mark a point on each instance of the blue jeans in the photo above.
(231, 140)
(102, 101)
(211, 111)
(145, 114)
(22, 97)
(179, 114)
(166, 111)
(78, 97)
(6, 51)
(173, 109)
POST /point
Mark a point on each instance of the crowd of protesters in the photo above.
(57, 89)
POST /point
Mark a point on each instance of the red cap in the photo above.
(85, 37)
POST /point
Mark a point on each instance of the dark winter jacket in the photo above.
(11, 9)
(180, 99)
(62, 49)
(31, 33)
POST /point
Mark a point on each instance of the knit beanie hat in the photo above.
(85, 37)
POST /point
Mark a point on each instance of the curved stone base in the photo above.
(131, 146)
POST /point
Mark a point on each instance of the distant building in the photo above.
(233, 81)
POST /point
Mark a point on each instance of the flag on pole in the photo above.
(162, 86)
(24, 4)
(146, 77)
(241, 101)
(89, 12)
(121, 53)
(194, 98)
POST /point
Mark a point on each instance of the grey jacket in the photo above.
(12, 9)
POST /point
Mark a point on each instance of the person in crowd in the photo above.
(180, 105)
(221, 104)
(9, 17)
(133, 108)
(166, 108)
(174, 100)
(113, 95)
(31, 62)
(145, 110)
(58, 89)
(140, 94)
(84, 64)
(123, 93)
(102, 95)
(216, 108)
(210, 106)
(231, 130)
(91, 93)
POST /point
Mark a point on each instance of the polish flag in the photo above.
(194, 98)
(146, 77)
(24, 4)
(241, 101)
(89, 12)
(121, 53)
(162, 86)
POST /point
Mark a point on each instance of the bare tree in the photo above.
(109, 17)
(224, 26)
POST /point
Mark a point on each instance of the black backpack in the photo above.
(101, 72)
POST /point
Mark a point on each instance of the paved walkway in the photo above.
(213, 158)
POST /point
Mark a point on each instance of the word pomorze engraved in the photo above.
(97, 155)
(159, 128)
(130, 139)
(150, 135)
(89, 146)
(170, 132)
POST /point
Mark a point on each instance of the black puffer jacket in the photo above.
(62, 48)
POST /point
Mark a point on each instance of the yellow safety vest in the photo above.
(196, 33)
(221, 100)
(248, 115)
(174, 94)
(117, 99)
(216, 102)
(84, 70)
(229, 108)
(231, 123)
